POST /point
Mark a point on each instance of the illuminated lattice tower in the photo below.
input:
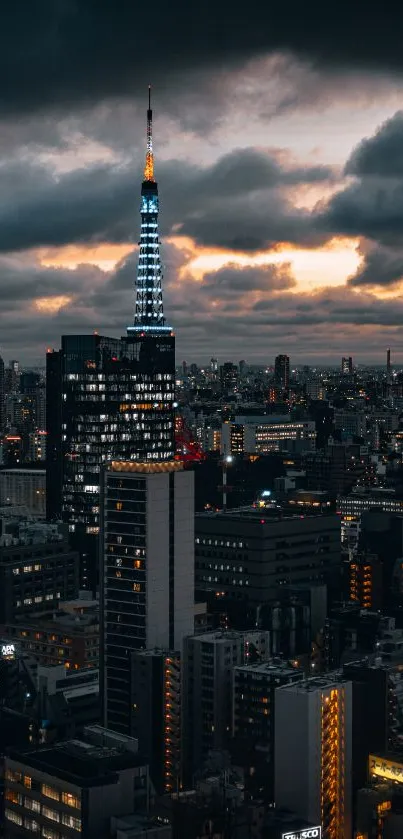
(149, 311)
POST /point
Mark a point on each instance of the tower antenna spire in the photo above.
(149, 167)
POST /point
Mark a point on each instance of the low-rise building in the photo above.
(73, 788)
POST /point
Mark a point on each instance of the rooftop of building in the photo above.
(93, 760)
(145, 468)
(315, 684)
(19, 532)
(60, 621)
(258, 515)
(222, 635)
(270, 668)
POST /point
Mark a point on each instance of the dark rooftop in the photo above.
(78, 762)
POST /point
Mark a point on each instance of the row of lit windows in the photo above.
(27, 569)
(220, 543)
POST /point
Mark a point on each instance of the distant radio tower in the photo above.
(388, 364)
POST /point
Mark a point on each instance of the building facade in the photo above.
(37, 570)
(271, 433)
(147, 572)
(313, 753)
(249, 555)
(253, 710)
(208, 662)
(24, 487)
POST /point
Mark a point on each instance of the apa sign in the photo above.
(8, 650)
(307, 833)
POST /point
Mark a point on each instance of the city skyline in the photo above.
(280, 177)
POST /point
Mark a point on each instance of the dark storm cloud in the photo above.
(233, 280)
(382, 154)
(371, 206)
(203, 313)
(232, 203)
(380, 266)
(54, 52)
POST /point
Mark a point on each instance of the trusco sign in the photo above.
(307, 833)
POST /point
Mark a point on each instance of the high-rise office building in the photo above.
(313, 752)
(248, 555)
(111, 399)
(282, 371)
(347, 365)
(388, 362)
(2, 395)
(147, 573)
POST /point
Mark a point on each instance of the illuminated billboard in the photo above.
(305, 833)
(8, 650)
(388, 770)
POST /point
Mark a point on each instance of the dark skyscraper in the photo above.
(347, 365)
(111, 399)
(282, 371)
(2, 417)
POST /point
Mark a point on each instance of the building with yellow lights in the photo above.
(380, 806)
(313, 752)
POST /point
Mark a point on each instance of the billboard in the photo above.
(8, 650)
(305, 833)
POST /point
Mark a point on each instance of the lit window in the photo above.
(14, 797)
(32, 824)
(27, 782)
(49, 833)
(71, 821)
(51, 792)
(53, 815)
(15, 777)
(13, 817)
(71, 800)
(30, 804)
(119, 505)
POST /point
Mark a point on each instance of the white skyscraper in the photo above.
(313, 743)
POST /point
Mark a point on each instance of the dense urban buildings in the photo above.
(233, 672)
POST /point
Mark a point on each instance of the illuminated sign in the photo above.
(388, 770)
(306, 833)
(8, 650)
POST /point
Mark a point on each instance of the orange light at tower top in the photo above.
(149, 167)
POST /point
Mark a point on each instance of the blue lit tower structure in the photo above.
(111, 399)
(150, 333)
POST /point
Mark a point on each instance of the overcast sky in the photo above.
(278, 138)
